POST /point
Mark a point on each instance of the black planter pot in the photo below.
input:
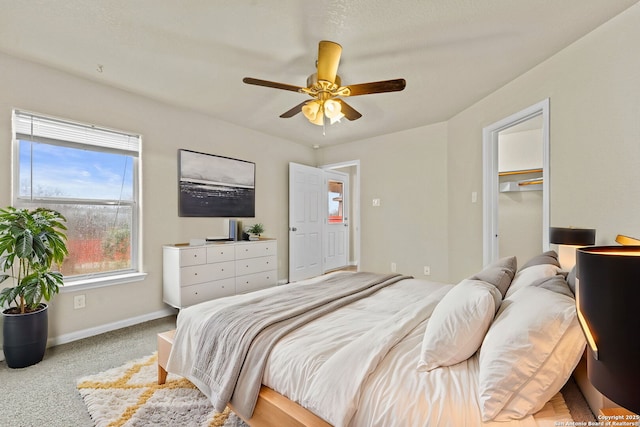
(25, 337)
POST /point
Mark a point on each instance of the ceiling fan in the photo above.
(325, 87)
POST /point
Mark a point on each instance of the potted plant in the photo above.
(31, 242)
(256, 230)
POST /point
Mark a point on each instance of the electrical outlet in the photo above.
(79, 302)
(393, 267)
(427, 270)
(376, 202)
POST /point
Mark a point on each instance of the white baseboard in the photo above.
(97, 330)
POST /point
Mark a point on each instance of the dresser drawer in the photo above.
(221, 252)
(255, 265)
(206, 273)
(195, 294)
(256, 249)
(193, 256)
(256, 281)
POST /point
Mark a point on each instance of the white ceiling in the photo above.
(194, 53)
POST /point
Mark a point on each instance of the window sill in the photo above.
(98, 282)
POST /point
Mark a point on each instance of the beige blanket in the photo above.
(235, 343)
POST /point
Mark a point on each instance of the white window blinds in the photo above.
(34, 127)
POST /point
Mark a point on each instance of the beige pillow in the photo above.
(500, 273)
(557, 284)
(549, 257)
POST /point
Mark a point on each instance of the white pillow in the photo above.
(458, 324)
(550, 378)
(527, 276)
(529, 352)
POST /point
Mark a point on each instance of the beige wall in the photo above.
(424, 177)
(164, 129)
(407, 172)
(594, 91)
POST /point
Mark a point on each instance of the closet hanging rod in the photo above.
(537, 181)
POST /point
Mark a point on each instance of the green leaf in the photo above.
(24, 244)
(8, 295)
(50, 284)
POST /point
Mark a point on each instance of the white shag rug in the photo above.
(130, 396)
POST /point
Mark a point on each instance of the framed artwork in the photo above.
(215, 186)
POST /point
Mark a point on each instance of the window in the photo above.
(336, 196)
(90, 175)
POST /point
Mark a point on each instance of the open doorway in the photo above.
(352, 169)
(516, 184)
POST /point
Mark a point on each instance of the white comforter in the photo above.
(357, 365)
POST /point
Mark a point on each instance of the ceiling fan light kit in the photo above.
(325, 87)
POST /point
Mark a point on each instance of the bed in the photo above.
(494, 349)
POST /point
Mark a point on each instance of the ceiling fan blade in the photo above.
(328, 60)
(377, 87)
(295, 110)
(349, 112)
(266, 83)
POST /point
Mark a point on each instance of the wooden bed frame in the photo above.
(272, 408)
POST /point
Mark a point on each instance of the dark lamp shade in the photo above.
(608, 298)
(572, 236)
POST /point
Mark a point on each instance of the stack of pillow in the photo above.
(524, 327)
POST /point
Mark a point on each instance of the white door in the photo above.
(306, 193)
(336, 234)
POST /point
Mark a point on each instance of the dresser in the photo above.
(193, 274)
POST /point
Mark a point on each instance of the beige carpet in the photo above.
(130, 396)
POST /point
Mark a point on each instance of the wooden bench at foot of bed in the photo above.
(272, 408)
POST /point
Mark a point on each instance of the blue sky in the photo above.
(75, 173)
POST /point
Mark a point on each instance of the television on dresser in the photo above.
(215, 186)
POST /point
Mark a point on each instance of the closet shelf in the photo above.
(520, 172)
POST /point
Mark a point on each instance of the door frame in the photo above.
(354, 222)
(490, 180)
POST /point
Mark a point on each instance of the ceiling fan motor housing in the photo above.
(312, 80)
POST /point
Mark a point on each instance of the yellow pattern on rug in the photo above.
(130, 396)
